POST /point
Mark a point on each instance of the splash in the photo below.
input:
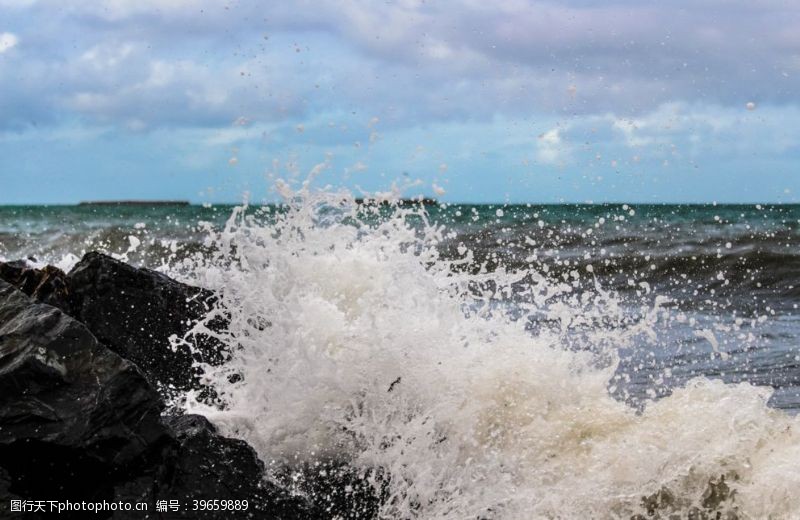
(354, 340)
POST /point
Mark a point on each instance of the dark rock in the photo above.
(21, 275)
(6, 496)
(133, 311)
(209, 466)
(136, 311)
(339, 490)
(47, 285)
(203, 466)
(71, 411)
(78, 422)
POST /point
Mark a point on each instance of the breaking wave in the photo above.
(357, 342)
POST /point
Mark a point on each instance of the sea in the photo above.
(487, 360)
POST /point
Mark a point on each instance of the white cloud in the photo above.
(107, 56)
(550, 148)
(670, 121)
(7, 41)
(190, 62)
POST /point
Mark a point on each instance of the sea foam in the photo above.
(355, 341)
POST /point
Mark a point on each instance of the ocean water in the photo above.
(489, 361)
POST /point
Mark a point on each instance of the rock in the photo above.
(204, 459)
(209, 466)
(72, 413)
(339, 490)
(133, 311)
(203, 466)
(136, 311)
(718, 502)
(6, 496)
(78, 422)
(47, 285)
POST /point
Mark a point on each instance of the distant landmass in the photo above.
(134, 203)
(403, 202)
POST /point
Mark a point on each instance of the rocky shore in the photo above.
(85, 371)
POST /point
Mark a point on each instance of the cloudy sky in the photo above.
(514, 100)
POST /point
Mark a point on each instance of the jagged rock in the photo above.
(71, 411)
(78, 422)
(133, 311)
(205, 459)
(47, 285)
(53, 370)
(202, 466)
(339, 490)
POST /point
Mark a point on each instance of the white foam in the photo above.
(360, 343)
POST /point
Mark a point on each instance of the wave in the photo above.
(359, 340)
(737, 267)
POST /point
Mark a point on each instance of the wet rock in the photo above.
(204, 466)
(136, 311)
(131, 310)
(71, 411)
(78, 422)
(205, 459)
(339, 490)
(6, 496)
(54, 372)
(717, 493)
(47, 285)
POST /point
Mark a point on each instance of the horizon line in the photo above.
(428, 201)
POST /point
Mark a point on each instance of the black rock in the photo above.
(6, 496)
(136, 311)
(47, 285)
(202, 467)
(78, 422)
(339, 490)
(207, 466)
(205, 459)
(72, 413)
(133, 311)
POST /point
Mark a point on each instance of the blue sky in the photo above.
(670, 101)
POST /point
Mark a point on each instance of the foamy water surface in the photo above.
(355, 340)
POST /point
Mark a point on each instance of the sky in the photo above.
(466, 101)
